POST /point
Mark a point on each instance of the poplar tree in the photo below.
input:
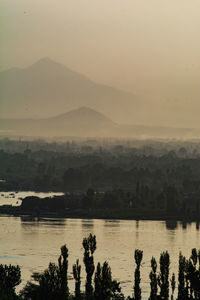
(77, 277)
(153, 280)
(163, 279)
(89, 245)
(63, 268)
(138, 260)
(105, 287)
(181, 277)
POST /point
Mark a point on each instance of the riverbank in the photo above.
(119, 214)
(114, 205)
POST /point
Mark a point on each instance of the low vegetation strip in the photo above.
(143, 203)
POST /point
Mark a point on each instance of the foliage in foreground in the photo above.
(52, 284)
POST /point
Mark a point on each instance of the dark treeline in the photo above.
(44, 170)
(158, 177)
(52, 284)
(144, 202)
(155, 147)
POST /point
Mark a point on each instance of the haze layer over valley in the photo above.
(99, 140)
(47, 88)
(86, 122)
(49, 99)
(150, 49)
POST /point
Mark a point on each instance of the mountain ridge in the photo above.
(47, 88)
(86, 122)
(84, 112)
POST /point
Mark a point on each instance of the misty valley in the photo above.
(99, 150)
(159, 179)
(61, 190)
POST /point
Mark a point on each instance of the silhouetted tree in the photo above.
(138, 260)
(77, 277)
(181, 278)
(171, 197)
(163, 279)
(173, 285)
(89, 245)
(63, 267)
(153, 279)
(193, 275)
(51, 284)
(105, 287)
(89, 198)
(10, 277)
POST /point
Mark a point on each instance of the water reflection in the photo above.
(171, 224)
(29, 221)
(111, 223)
(35, 221)
(38, 241)
(184, 224)
(50, 222)
(137, 224)
(197, 225)
(87, 223)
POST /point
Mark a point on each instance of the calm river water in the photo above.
(33, 243)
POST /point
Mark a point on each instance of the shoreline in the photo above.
(98, 215)
(34, 210)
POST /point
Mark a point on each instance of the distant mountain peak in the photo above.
(47, 88)
(84, 112)
(46, 61)
(86, 109)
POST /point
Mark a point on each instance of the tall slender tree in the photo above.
(89, 245)
(173, 285)
(63, 268)
(164, 275)
(105, 287)
(77, 277)
(153, 280)
(138, 260)
(181, 277)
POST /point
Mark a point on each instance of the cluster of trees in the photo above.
(46, 170)
(10, 277)
(181, 148)
(144, 201)
(37, 204)
(52, 284)
(121, 179)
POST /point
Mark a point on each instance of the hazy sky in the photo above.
(149, 47)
